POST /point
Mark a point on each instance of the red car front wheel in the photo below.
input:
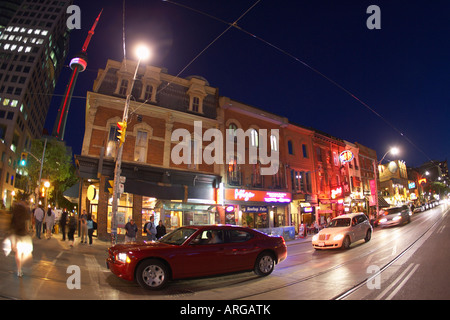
(152, 274)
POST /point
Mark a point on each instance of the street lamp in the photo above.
(142, 53)
(394, 151)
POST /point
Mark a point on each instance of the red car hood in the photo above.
(139, 246)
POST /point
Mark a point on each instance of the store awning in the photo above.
(73, 193)
(382, 203)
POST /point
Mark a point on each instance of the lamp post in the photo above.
(394, 151)
(142, 53)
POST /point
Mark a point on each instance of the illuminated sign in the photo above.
(422, 181)
(346, 156)
(411, 185)
(256, 195)
(336, 192)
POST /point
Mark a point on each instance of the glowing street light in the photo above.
(142, 53)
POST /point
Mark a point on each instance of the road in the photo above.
(404, 262)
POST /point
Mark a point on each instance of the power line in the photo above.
(234, 24)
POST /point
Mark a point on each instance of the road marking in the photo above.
(403, 282)
(382, 294)
(394, 250)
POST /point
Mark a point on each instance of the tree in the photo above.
(57, 166)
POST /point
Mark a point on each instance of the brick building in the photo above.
(178, 193)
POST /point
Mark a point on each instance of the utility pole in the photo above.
(142, 54)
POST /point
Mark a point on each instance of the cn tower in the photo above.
(77, 64)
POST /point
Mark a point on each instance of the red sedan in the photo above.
(196, 251)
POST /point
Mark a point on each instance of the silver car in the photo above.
(395, 216)
(343, 231)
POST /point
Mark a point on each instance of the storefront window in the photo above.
(149, 209)
(181, 214)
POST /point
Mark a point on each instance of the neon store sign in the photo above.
(346, 156)
(256, 195)
(336, 192)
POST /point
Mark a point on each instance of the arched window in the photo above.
(254, 138)
(273, 143)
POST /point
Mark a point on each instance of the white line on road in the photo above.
(403, 282)
(385, 291)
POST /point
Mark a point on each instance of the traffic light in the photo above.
(110, 186)
(122, 130)
(23, 159)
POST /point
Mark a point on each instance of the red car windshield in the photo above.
(178, 236)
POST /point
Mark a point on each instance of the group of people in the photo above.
(20, 242)
(153, 232)
(48, 218)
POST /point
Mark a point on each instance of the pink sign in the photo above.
(373, 187)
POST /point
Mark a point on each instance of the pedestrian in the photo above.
(49, 219)
(160, 230)
(19, 240)
(83, 227)
(151, 229)
(72, 225)
(131, 230)
(90, 227)
(62, 224)
(39, 217)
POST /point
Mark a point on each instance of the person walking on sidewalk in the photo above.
(72, 228)
(62, 224)
(83, 227)
(39, 217)
(49, 221)
(90, 227)
(19, 241)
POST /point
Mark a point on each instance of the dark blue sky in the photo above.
(400, 71)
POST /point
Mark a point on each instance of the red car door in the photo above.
(240, 250)
(201, 256)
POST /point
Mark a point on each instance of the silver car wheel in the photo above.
(265, 264)
(153, 275)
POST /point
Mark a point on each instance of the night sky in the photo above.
(401, 71)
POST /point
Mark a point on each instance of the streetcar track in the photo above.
(386, 266)
(338, 266)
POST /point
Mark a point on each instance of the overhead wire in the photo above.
(202, 51)
(234, 24)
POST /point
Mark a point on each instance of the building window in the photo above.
(305, 151)
(196, 104)
(257, 180)
(290, 147)
(123, 87)
(231, 132)
(148, 92)
(111, 144)
(233, 173)
(140, 149)
(254, 137)
(273, 143)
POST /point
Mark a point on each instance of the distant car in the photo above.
(342, 231)
(196, 251)
(395, 216)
